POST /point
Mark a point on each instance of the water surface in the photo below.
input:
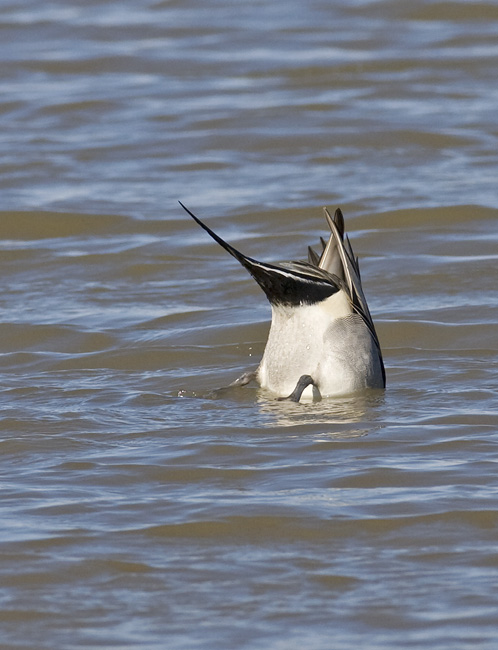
(138, 510)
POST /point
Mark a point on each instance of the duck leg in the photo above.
(303, 382)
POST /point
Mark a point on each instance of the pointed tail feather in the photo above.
(294, 284)
(330, 259)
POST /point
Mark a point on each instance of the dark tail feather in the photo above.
(230, 249)
(281, 285)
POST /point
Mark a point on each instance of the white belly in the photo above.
(327, 342)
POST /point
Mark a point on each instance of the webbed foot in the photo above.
(244, 379)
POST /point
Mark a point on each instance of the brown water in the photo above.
(136, 511)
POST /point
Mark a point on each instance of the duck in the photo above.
(322, 340)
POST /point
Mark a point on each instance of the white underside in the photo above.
(326, 341)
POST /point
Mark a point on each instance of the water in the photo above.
(138, 510)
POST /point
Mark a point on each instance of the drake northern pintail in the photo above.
(322, 339)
